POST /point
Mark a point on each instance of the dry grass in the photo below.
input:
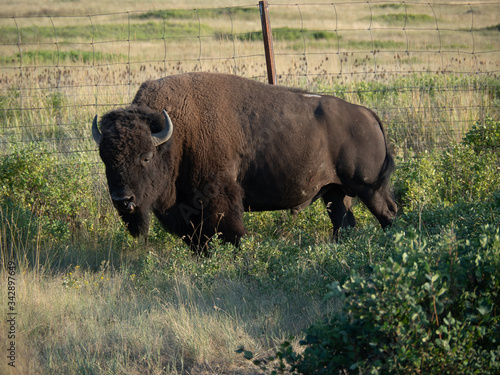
(103, 322)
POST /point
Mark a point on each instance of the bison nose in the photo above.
(124, 203)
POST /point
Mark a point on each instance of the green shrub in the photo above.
(484, 136)
(464, 172)
(468, 175)
(433, 308)
(57, 194)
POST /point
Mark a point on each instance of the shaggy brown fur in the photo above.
(240, 145)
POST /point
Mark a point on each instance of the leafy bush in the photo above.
(464, 172)
(433, 308)
(484, 135)
(57, 194)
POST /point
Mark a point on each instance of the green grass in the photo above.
(407, 18)
(63, 57)
(102, 32)
(145, 30)
(181, 14)
(38, 34)
(373, 45)
(290, 34)
(391, 6)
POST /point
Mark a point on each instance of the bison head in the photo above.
(130, 145)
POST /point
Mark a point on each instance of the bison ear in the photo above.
(95, 131)
(166, 133)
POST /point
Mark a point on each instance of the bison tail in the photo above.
(388, 165)
(385, 172)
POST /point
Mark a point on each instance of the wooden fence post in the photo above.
(267, 35)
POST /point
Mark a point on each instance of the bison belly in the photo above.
(289, 186)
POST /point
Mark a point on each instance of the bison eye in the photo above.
(146, 158)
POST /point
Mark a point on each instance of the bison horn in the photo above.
(165, 134)
(95, 131)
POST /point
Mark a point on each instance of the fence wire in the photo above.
(430, 70)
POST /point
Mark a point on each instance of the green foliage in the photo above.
(468, 175)
(484, 136)
(182, 14)
(54, 193)
(45, 56)
(101, 32)
(23, 176)
(464, 172)
(432, 308)
(493, 28)
(403, 18)
(38, 34)
(391, 6)
(290, 34)
(371, 45)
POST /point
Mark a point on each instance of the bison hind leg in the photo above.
(338, 206)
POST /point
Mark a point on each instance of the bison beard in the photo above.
(137, 222)
(236, 145)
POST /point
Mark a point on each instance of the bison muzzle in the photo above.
(199, 149)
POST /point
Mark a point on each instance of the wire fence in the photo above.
(430, 70)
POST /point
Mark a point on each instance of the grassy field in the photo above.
(90, 299)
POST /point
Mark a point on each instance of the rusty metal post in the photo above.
(267, 35)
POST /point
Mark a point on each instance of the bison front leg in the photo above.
(338, 205)
(221, 214)
(227, 208)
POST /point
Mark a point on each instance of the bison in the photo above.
(199, 149)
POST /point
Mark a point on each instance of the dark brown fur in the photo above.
(240, 145)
